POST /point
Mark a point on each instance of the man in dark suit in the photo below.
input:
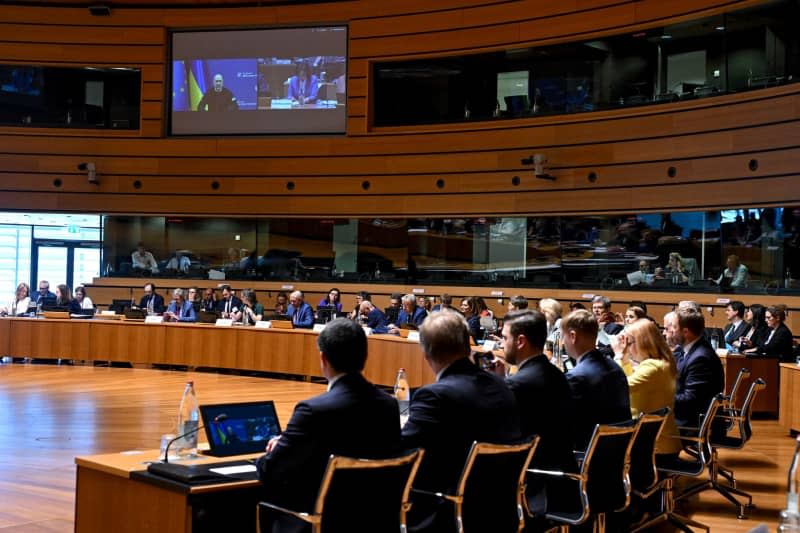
(737, 327)
(598, 385)
(601, 308)
(411, 313)
(353, 419)
(152, 302)
(543, 398)
(465, 404)
(229, 304)
(700, 374)
(372, 317)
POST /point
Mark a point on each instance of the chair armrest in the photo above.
(555, 473)
(440, 495)
(688, 428)
(302, 516)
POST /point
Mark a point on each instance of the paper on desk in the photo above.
(237, 469)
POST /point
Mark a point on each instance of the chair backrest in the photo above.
(492, 486)
(348, 500)
(643, 473)
(606, 466)
(743, 374)
(702, 446)
(745, 428)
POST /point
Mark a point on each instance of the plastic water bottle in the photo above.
(714, 340)
(188, 421)
(789, 520)
(401, 392)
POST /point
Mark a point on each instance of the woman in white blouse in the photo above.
(19, 305)
(80, 296)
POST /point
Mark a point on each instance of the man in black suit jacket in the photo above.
(151, 301)
(353, 419)
(229, 304)
(543, 398)
(465, 404)
(737, 327)
(598, 385)
(700, 374)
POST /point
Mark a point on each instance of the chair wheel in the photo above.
(744, 511)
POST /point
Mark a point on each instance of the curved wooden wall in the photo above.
(710, 142)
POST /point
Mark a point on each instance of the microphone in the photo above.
(217, 419)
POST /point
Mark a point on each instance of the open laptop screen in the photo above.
(245, 428)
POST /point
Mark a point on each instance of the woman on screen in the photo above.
(303, 86)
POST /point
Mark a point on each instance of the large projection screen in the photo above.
(264, 81)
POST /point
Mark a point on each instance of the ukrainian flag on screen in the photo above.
(180, 87)
(198, 81)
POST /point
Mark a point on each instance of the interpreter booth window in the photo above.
(69, 97)
(738, 250)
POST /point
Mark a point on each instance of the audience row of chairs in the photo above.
(625, 452)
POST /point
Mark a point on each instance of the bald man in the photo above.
(219, 98)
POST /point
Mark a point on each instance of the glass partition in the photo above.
(737, 51)
(736, 250)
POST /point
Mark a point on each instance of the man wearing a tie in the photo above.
(229, 304)
(300, 312)
(152, 302)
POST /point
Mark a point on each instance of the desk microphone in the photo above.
(217, 419)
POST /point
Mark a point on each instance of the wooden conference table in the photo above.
(201, 345)
(114, 493)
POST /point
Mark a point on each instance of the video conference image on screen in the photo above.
(278, 81)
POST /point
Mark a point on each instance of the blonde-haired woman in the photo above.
(652, 385)
(19, 305)
(551, 309)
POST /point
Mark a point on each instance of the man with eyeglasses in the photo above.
(44, 296)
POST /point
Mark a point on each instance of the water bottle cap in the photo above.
(190, 382)
(402, 370)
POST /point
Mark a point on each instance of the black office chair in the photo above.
(602, 483)
(727, 413)
(339, 508)
(490, 494)
(734, 439)
(645, 481)
(672, 468)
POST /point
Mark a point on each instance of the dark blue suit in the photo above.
(302, 317)
(599, 395)
(466, 404)
(45, 299)
(376, 321)
(158, 302)
(417, 318)
(223, 305)
(700, 378)
(353, 419)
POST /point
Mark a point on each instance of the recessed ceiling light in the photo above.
(720, 28)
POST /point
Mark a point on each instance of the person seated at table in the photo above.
(333, 299)
(303, 86)
(551, 309)
(152, 302)
(469, 308)
(735, 275)
(209, 301)
(651, 371)
(372, 317)
(300, 312)
(517, 303)
(83, 300)
(178, 263)
(354, 418)
(425, 303)
(677, 270)
(361, 296)
(779, 341)
(606, 319)
(193, 297)
(395, 306)
(43, 296)
(410, 314)
(64, 299)
(179, 310)
(251, 311)
(229, 304)
(281, 303)
(445, 302)
(634, 313)
(143, 261)
(758, 330)
(20, 303)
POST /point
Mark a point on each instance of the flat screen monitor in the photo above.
(261, 81)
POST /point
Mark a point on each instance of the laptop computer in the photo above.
(245, 428)
(207, 317)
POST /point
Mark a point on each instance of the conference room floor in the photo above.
(52, 413)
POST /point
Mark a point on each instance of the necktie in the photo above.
(228, 306)
(679, 355)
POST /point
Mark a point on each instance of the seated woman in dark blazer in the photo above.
(758, 332)
(64, 299)
(333, 299)
(778, 342)
(470, 308)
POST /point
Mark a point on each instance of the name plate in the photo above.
(413, 336)
(587, 296)
(488, 346)
(153, 319)
(263, 324)
(724, 301)
(496, 293)
(224, 322)
(367, 331)
(287, 287)
(418, 290)
(318, 328)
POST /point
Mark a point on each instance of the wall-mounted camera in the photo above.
(539, 162)
(91, 171)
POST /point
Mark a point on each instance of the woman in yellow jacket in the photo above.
(651, 369)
